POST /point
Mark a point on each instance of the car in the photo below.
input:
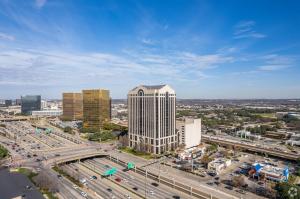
(154, 184)
(84, 194)
(210, 183)
(109, 189)
(217, 178)
(135, 188)
(94, 177)
(56, 155)
(118, 179)
(125, 180)
(212, 174)
(176, 197)
(260, 183)
(112, 196)
(127, 196)
(229, 187)
(151, 192)
(217, 183)
(28, 187)
(106, 166)
(241, 191)
(75, 186)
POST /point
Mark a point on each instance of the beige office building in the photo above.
(151, 118)
(72, 106)
(96, 108)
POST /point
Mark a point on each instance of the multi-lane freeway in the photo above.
(251, 147)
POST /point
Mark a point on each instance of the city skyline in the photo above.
(203, 49)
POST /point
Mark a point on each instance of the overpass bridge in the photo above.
(74, 157)
(251, 148)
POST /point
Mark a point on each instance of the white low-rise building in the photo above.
(47, 113)
(219, 164)
(189, 132)
(294, 140)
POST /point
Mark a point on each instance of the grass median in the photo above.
(66, 175)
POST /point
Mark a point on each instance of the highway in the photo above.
(251, 147)
(102, 186)
(133, 179)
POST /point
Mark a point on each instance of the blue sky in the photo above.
(203, 49)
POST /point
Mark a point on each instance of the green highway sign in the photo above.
(37, 131)
(48, 130)
(130, 165)
(110, 172)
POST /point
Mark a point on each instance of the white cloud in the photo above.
(273, 67)
(40, 3)
(148, 41)
(245, 29)
(6, 36)
(37, 67)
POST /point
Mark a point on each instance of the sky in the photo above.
(203, 49)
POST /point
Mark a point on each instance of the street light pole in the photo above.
(146, 184)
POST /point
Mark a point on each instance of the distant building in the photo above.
(294, 140)
(151, 118)
(219, 164)
(189, 132)
(247, 135)
(8, 103)
(72, 106)
(18, 102)
(44, 104)
(47, 113)
(96, 108)
(30, 103)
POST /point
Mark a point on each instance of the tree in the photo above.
(68, 129)
(123, 140)
(45, 182)
(206, 159)
(238, 181)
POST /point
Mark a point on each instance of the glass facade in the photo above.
(72, 106)
(30, 103)
(96, 108)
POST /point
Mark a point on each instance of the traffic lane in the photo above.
(66, 187)
(140, 190)
(138, 181)
(121, 192)
(161, 189)
(99, 188)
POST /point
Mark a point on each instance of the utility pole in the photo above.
(145, 184)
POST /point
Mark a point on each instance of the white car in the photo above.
(84, 194)
(151, 192)
(127, 196)
(75, 186)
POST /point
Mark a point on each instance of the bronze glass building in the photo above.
(96, 108)
(72, 106)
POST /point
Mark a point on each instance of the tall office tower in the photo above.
(96, 108)
(151, 118)
(30, 103)
(72, 106)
